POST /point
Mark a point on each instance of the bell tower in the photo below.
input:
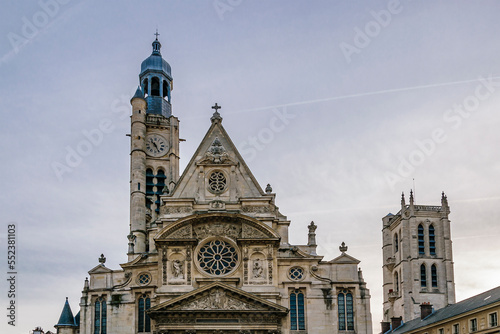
(418, 261)
(154, 148)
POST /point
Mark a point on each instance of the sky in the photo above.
(339, 105)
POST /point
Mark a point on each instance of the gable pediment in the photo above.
(217, 153)
(100, 269)
(345, 259)
(218, 297)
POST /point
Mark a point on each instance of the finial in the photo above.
(216, 116)
(343, 247)
(403, 201)
(269, 189)
(312, 227)
(66, 298)
(102, 259)
(156, 34)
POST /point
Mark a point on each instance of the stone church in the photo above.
(208, 249)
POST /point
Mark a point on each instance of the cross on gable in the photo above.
(216, 107)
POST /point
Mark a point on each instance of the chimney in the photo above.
(396, 322)
(386, 326)
(425, 310)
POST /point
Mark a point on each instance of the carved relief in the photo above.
(270, 263)
(188, 260)
(175, 209)
(217, 205)
(217, 299)
(256, 209)
(257, 269)
(181, 233)
(229, 230)
(164, 264)
(245, 264)
(252, 232)
(178, 269)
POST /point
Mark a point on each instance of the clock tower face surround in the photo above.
(156, 145)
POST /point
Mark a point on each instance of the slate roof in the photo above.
(472, 303)
(66, 318)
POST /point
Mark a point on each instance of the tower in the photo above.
(154, 148)
(418, 263)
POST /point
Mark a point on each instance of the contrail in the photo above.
(350, 96)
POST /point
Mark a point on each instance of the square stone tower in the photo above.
(418, 262)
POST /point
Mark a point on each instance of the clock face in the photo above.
(156, 145)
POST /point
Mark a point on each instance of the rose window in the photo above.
(217, 182)
(217, 257)
(144, 278)
(296, 273)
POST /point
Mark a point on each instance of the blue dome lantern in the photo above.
(156, 82)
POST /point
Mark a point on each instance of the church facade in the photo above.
(208, 250)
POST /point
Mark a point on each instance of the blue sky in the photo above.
(374, 98)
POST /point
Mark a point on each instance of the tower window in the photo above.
(145, 88)
(434, 277)
(155, 86)
(166, 90)
(100, 316)
(421, 244)
(432, 240)
(346, 311)
(396, 243)
(149, 186)
(396, 281)
(297, 310)
(423, 276)
(144, 322)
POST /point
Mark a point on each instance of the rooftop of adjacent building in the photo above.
(483, 299)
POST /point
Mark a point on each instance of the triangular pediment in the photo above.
(218, 297)
(99, 269)
(217, 152)
(345, 259)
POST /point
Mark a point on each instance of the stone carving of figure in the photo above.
(257, 269)
(177, 271)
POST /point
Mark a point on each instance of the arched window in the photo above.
(421, 244)
(149, 186)
(297, 310)
(155, 86)
(100, 316)
(144, 323)
(423, 276)
(160, 184)
(434, 276)
(145, 86)
(396, 243)
(346, 311)
(396, 281)
(432, 240)
(166, 89)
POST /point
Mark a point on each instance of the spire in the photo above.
(66, 318)
(138, 93)
(411, 197)
(403, 202)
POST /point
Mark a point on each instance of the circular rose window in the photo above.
(217, 257)
(217, 182)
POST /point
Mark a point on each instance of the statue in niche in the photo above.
(177, 271)
(257, 269)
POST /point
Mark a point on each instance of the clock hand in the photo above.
(155, 145)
